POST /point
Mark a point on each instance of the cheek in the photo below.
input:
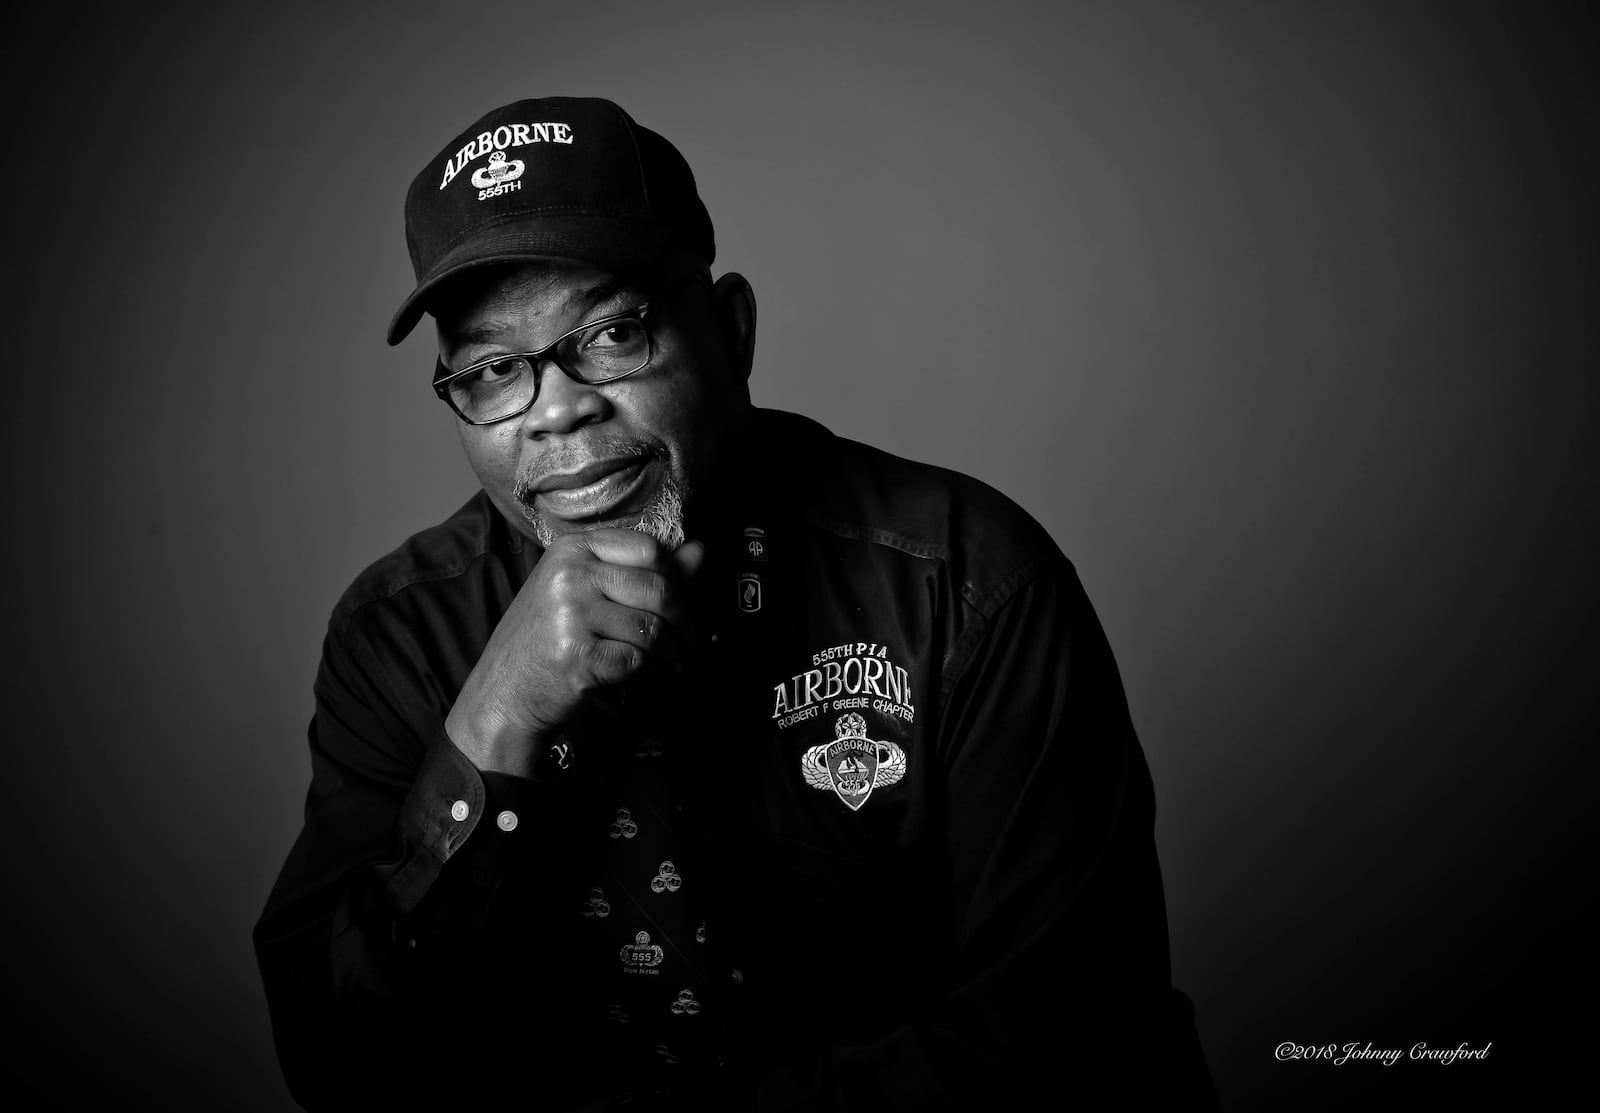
(492, 457)
(678, 407)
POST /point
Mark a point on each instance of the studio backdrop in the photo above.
(1272, 314)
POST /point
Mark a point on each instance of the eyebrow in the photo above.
(489, 329)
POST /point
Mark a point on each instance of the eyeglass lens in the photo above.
(502, 387)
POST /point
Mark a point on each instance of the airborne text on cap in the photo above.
(507, 135)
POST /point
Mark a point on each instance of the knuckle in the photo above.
(639, 584)
(612, 578)
(586, 660)
(652, 585)
(569, 647)
(613, 661)
(564, 579)
(629, 659)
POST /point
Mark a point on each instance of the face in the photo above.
(630, 453)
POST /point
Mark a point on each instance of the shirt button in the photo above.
(736, 975)
(507, 820)
(458, 810)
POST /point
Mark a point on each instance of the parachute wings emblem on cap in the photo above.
(498, 171)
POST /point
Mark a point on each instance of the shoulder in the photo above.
(990, 545)
(444, 559)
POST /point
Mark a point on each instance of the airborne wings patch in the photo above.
(852, 765)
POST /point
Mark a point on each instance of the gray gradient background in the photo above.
(1269, 312)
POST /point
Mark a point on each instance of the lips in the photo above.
(591, 491)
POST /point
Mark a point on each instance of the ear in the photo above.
(735, 305)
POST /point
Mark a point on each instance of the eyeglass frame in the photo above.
(441, 386)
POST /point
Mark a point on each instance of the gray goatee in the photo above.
(662, 517)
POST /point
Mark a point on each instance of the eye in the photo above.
(497, 372)
(628, 334)
(488, 385)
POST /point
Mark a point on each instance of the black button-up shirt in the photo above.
(906, 783)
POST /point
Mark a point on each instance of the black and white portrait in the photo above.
(799, 556)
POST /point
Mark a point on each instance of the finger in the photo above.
(689, 558)
(611, 662)
(626, 546)
(642, 589)
(645, 631)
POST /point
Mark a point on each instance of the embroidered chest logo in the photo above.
(854, 676)
(641, 956)
(852, 765)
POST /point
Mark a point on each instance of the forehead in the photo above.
(529, 304)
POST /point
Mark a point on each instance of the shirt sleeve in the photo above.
(1061, 981)
(402, 848)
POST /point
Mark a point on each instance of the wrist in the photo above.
(493, 743)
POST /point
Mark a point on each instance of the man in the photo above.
(703, 759)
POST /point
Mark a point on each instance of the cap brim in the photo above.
(617, 244)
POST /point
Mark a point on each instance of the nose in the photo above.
(562, 404)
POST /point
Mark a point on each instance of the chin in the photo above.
(660, 518)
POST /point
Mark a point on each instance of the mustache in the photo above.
(566, 457)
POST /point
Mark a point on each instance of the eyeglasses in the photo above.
(504, 387)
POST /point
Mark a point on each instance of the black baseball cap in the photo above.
(557, 178)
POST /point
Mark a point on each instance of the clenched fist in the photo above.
(595, 609)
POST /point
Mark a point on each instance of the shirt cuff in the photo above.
(439, 815)
(487, 819)
(503, 792)
(519, 814)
